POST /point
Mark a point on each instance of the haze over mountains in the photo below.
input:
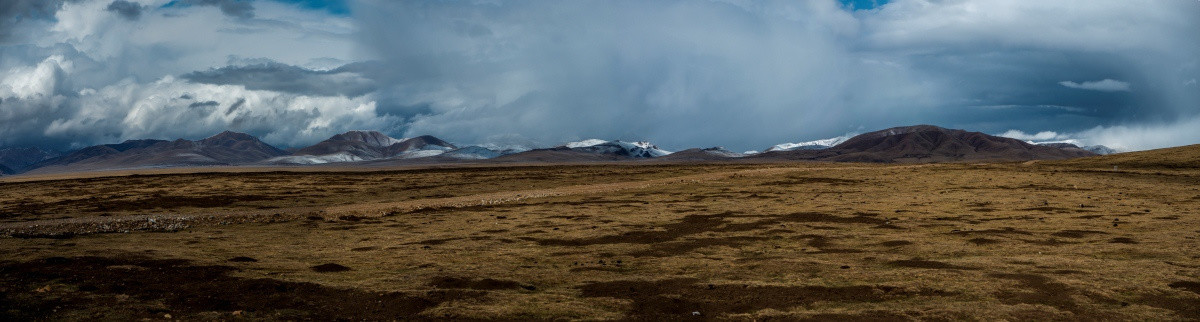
(922, 143)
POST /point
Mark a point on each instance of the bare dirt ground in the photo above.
(1040, 241)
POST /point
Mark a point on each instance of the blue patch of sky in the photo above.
(337, 7)
(863, 4)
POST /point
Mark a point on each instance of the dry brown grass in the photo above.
(818, 241)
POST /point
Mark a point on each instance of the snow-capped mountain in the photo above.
(1100, 149)
(356, 146)
(473, 152)
(810, 145)
(1097, 149)
(622, 148)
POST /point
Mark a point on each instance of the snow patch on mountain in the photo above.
(315, 159)
(1097, 149)
(721, 151)
(810, 145)
(421, 153)
(585, 143)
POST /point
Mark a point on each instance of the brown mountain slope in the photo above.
(709, 154)
(362, 144)
(226, 148)
(927, 143)
(372, 145)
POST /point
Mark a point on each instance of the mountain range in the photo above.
(922, 143)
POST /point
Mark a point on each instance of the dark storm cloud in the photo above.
(126, 9)
(233, 8)
(347, 80)
(682, 73)
(15, 12)
(750, 74)
(201, 104)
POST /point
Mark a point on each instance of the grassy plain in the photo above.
(1015, 241)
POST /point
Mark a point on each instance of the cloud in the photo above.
(82, 75)
(14, 14)
(1039, 136)
(273, 76)
(1106, 85)
(752, 73)
(759, 73)
(735, 73)
(126, 9)
(1133, 137)
(35, 104)
(233, 8)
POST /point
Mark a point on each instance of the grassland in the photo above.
(1032, 241)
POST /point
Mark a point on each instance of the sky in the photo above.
(741, 74)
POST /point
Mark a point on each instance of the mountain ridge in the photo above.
(919, 143)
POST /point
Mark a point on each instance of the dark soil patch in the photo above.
(895, 243)
(1187, 308)
(432, 242)
(329, 268)
(1122, 240)
(242, 259)
(1042, 290)
(678, 298)
(1077, 233)
(1171, 217)
(598, 268)
(1090, 216)
(1056, 210)
(1004, 231)
(791, 181)
(871, 316)
(982, 241)
(89, 288)
(1189, 286)
(696, 224)
(1047, 242)
(919, 263)
(477, 284)
(364, 248)
(684, 246)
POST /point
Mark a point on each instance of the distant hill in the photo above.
(1073, 144)
(589, 150)
(226, 148)
(6, 170)
(356, 146)
(1183, 157)
(927, 143)
(709, 154)
(17, 159)
(559, 154)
